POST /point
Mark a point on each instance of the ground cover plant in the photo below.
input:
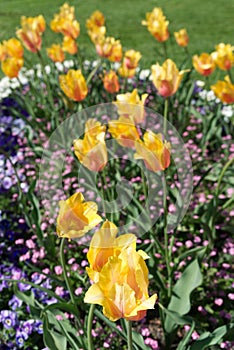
(116, 187)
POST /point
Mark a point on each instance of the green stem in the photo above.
(165, 49)
(145, 190)
(167, 256)
(63, 263)
(166, 103)
(230, 76)
(50, 96)
(89, 326)
(91, 75)
(226, 166)
(129, 331)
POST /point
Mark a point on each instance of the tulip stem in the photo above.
(50, 96)
(94, 71)
(89, 326)
(129, 332)
(166, 103)
(167, 256)
(63, 263)
(230, 76)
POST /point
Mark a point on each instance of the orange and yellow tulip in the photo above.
(109, 48)
(95, 26)
(181, 37)
(76, 217)
(11, 55)
(224, 56)
(131, 59)
(157, 24)
(55, 53)
(166, 78)
(224, 90)
(125, 72)
(131, 106)
(153, 151)
(14, 48)
(69, 45)
(36, 24)
(124, 131)
(122, 288)
(204, 64)
(111, 82)
(65, 22)
(74, 85)
(92, 151)
(31, 31)
(105, 244)
(11, 66)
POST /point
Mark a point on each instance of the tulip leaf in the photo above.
(208, 339)
(180, 300)
(52, 339)
(139, 340)
(184, 342)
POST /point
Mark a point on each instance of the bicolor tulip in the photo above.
(37, 23)
(11, 56)
(95, 26)
(65, 22)
(204, 64)
(105, 244)
(157, 24)
(69, 45)
(11, 66)
(124, 131)
(131, 106)
(224, 90)
(181, 37)
(126, 72)
(55, 53)
(109, 48)
(166, 78)
(76, 217)
(122, 288)
(31, 31)
(74, 85)
(224, 56)
(111, 82)
(153, 151)
(131, 59)
(92, 151)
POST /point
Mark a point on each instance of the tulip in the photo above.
(3, 52)
(65, 22)
(55, 53)
(30, 38)
(111, 82)
(157, 24)
(154, 152)
(105, 244)
(95, 26)
(74, 85)
(125, 72)
(124, 131)
(76, 217)
(131, 105)
(224, 90)
(166, 78)
(109, 48)
(181, 37)
(91, 151)
(36, 24)
(224, 56)
(11, 66)
(204, 64)
(122, 289)
(131, 59)
(69, 45)
(14, 48)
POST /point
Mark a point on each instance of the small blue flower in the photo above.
(15, 302)
(8, 318)
(20, 338)
(38, 327)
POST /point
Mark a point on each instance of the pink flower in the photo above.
(58, 270)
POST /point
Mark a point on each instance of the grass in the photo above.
(207, 23)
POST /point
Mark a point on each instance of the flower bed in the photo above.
(116, 194)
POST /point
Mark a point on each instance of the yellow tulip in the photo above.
(14, 48)
(167, 78)
(131, 105)
(111, 82)
(131, 59)
(181, 37)
(126, 72)
(124, 131)
(105, 244)
(74, 85)
(55, 53)
(11, 66)
(224, 56)
(36, 24)
(153, 151)
(224, 90)
(31, 39)
(69, 45)
(157, 24)
(122, 288)
(95, 26)
(76, 217)
(204, 64)
(3, 52)
(64, 22)
(109, 48)
(91, 151)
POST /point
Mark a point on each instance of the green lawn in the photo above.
(207, 22)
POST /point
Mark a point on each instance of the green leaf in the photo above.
(138, 340)
(208, 339)
(52, 339)
(180, 300)
(183, 343)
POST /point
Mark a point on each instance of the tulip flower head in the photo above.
(76, 217)
(111, 82)
(167, 78)
(55, 53)
(181, 37)
(122, 288)
(11, 56)
(224, 56)
(92, 151)
(204, 64)
(65, 22)
(109, 48)
(130, 105)
(31, 31)
(95, 26)
(69, 45)
(74, 85)
(131, 59)
(224, 90)
(124, 131)
(153, 151)
(157, 24)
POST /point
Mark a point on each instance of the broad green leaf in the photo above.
(180, 300)
(52, 339)
(138, 340)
